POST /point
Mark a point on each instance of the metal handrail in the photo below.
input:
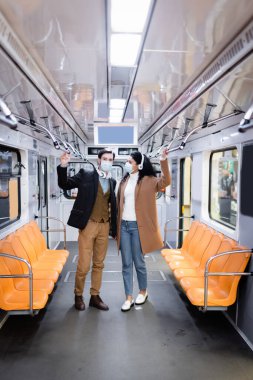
(208, 124)
(57, 141)
(74, 151)
(246, 122)
(208, 274)
(23, 120)
(156, 152)
(7, 117)
(54, 230)
(176, 218)
(30, 276)
(67, 150)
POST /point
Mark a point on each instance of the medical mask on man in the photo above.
(128, 167)
(106, 166)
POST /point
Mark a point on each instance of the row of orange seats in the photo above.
(28, 243)
(188, 265)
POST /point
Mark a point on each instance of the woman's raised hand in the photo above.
(164, 153)
(65, 158)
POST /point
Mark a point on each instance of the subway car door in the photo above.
(171, 238)
(42, 195)
(184, 198)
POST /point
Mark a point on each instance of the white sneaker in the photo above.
(141, 298)
(127, 305)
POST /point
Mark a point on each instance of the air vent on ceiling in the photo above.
(119, 91)
(102, 111)
(23, 59)
(238, 50)
(249, 34)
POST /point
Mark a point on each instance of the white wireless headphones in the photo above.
(140, 166)
(102, 174)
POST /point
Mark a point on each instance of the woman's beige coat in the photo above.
(145, 208)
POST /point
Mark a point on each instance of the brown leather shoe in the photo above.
(96, 301)
(79, 304)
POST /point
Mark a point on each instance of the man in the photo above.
(94, 214)
(225, 195)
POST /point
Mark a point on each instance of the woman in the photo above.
(138, 231)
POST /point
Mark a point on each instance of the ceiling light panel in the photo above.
(129, 16)
(124, 49)
(117, 103)
(116, 113)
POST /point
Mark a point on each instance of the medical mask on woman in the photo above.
(106, 166)
(128, 167)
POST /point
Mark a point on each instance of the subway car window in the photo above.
(157, 168)
(117, 172)
(74, 167)
(9, 186)
(223, 187)
(38, 184)
(44, 182)
(72, 170)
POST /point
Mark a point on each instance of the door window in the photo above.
(223, 187)
(185, 198)
(10, 172)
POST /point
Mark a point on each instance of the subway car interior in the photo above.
(159, 77)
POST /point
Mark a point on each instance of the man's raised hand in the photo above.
(65, 158)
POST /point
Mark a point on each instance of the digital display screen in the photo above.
(94, 151)
(126, 151)
(115, 135)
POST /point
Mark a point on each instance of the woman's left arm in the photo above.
(165, 179)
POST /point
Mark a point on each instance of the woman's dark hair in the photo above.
(147, 169)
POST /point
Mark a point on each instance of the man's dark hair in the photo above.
(104, 151)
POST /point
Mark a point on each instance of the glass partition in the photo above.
(9, 185)
(223, 187)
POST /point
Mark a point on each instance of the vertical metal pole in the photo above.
(206, 291)
(31, 290)
(64, 237)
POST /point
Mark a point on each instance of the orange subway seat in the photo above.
(13, 299)
(19, 251)
(226, 245)
(235, 263)
(15, 268)
(186, 242)
(41, 239)
(187, 281)
(196, 252)
(46, 286)
(200, 229)
(215, 266)
(42, 256)
(223, 292)
(31, 253)
(216, 297)
(211, 250)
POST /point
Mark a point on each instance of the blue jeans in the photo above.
(131, 252)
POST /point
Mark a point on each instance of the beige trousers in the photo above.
(92, 245)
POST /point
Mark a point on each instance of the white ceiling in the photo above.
(68, 41)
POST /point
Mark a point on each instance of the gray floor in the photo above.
(164, 339)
